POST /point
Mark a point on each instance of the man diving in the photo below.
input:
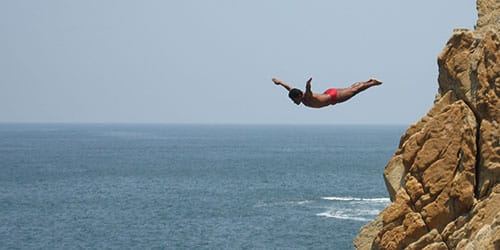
(331, 96)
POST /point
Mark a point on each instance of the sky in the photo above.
(211, 62)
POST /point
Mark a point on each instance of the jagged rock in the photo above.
(368, 233)
(443, 178)
(426, 240)
(439, 161)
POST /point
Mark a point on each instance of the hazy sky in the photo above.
(212, 61)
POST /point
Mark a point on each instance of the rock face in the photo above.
(444, 178)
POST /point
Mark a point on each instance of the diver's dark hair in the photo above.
(295, 93)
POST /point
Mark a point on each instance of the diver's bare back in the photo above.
(315, 100)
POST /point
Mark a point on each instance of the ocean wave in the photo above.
(350, 214)
(334, 198)
(341, 216)
(282, 203)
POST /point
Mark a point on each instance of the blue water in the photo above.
(66, 186)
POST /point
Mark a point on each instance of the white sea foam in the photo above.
(354, 208)
(282, 203)
(334, 198)
(357, 214)
(336, 215)
(292, 203)
(303, 202)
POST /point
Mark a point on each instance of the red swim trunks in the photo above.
(333, 95)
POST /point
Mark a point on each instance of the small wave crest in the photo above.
(350, 214)
(341, 216)
(282, 203)
(353, 208)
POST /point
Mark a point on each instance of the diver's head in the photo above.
(296, 95)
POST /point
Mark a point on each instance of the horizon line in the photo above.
(199, 123)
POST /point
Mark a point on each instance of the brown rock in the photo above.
(489, 165)
(436, 246)
(444, 178)
(423, 201)
(414, 227)
(414, 188)
(427, 239)
(394, 175)
(479, 228)
(398, 208)
(368, 233)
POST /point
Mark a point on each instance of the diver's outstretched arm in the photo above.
(282, 83)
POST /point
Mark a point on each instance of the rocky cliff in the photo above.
(443, 179)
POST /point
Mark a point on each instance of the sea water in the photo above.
(116, 186)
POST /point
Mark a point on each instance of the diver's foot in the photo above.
(375, 81)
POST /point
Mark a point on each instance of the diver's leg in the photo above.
(347, 93)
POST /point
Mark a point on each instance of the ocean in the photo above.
(133, 186)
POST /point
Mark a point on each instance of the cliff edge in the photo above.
(443, 178)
